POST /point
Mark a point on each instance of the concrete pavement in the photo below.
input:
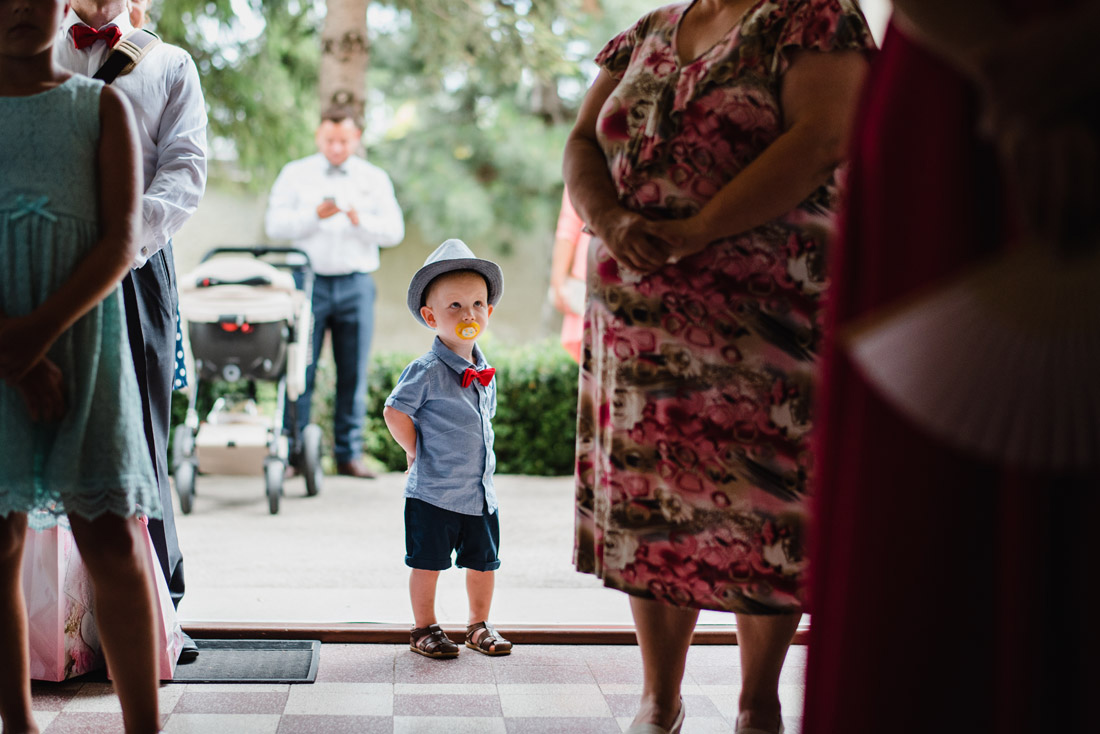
(339, 557)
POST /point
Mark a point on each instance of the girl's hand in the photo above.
(634, 241)
(23, 344)
(43, 393)
(409, 459)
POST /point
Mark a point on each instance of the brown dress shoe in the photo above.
(354, 468)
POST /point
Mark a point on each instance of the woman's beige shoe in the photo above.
(654, 729)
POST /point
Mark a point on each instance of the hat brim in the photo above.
(492, 273)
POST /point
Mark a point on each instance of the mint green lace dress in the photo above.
(95, 459)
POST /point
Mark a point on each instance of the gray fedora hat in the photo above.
(450, 256)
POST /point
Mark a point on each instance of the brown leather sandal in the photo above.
(432, 642)
(484, 638)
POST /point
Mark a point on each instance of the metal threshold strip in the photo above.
(392, 634)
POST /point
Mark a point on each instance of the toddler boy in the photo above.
(440, 412)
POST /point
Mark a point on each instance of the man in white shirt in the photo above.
(164, 91)
(340, 210)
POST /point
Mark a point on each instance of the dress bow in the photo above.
(484, 376)
(25, 206)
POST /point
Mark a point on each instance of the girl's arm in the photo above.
(567, 236)
(24, 341)
(403, 431)
(627, 234)
(819, 99)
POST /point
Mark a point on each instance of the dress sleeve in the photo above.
(616, 55)
(820, 25)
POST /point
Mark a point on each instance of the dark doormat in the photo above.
(252, 661)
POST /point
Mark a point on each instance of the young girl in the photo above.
(70, 418)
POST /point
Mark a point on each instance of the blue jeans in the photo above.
(344, 305)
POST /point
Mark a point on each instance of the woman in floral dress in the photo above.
(703, 160)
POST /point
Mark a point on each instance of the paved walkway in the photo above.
(386, 689)
(339, 556)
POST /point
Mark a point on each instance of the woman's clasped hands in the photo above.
(645, 245)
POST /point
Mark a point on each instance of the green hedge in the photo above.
(536, 417)
(536, 421)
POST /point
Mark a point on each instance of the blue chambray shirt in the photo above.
(454, 431)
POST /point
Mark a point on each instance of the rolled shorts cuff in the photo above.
(474, 566)
(428, 564)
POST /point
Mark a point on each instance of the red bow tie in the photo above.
(484, 376)
(84, 36)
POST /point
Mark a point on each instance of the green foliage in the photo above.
(536, 418)
(536, 421)
(381, 379)
(259, 77)
(469, 101)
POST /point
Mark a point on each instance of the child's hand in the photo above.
(43, 392)
(409, 459)
(23, 344)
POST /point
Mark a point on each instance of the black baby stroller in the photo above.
(244, 318)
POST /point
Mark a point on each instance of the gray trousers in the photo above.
(150, 297)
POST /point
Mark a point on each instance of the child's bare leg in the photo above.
(480, 635)
(422, 593)
(479, 591)
(15, 676)
(113, 551)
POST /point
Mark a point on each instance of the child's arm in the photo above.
(403, 431)
(25, 340)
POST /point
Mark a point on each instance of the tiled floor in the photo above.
(368, 689)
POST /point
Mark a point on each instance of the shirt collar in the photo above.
(122, 20)
(324, 164)
(455, 362)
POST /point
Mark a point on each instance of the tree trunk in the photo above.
(344, 55)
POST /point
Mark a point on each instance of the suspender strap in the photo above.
(125, 56)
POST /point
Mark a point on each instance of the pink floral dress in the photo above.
(693, 450)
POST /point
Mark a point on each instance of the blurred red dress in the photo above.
(948, 594)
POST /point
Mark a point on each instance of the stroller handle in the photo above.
(260, 252)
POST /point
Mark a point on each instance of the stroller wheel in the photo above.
(311, 459)
(183, 445)
(185, 485)
(273, 481)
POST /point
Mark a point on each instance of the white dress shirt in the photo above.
(170, 112)
(335, 246)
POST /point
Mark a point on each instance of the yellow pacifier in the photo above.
(467, 331)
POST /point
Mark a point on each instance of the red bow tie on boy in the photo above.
(84, 35)
(484, 376)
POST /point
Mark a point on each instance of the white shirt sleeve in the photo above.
(288, 216)
(381, 222)
(176, 189)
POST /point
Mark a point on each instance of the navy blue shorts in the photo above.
(432, 533)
